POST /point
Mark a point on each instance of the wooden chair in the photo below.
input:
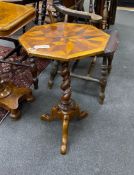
(112, 6)
(73, 4)
(13, 18)
(100, 21)
(89, 18)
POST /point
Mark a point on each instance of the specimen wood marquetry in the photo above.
(13, 17)
(64, 41)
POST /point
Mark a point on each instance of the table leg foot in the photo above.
(65, 125)
(30, 97)
(65, 116)
(15, 114)
(52, 116)
(15, 95)
(82, 115)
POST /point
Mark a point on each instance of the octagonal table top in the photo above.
(13, 17)
(64, 41)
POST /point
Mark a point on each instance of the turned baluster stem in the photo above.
(65, 86)
(105, 16)
(43, 11)
(91, 6)
(103, 80)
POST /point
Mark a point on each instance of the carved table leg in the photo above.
(65, 126)
(53, 73)
(66, 109)
(103, 80)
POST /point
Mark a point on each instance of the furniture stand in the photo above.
(67, 109)
(13, 18)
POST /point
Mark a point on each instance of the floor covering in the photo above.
(101, 144)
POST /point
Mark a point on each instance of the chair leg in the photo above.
(110, 59)
(18, 47)
(24, 29)
(53, 73)
(34, 72)
(91, 66)
(43, 11)
(103, 80)
(74, 65)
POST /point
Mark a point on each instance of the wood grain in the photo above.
(13, 17)
(64, 41)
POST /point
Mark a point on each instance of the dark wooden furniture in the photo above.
(90, 18)
(22, 2)
(12, 18)
(73, 4)
(39, 5)
(99, 7)
(64, 42)
(126, 3)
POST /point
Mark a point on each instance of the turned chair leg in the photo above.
(110, 59)
(36, 5)
(103, 80)
(17, 46)
(34, 72)
(43, 11)
(91, 66)
(75, 64)
(53, 73)
(24, 29)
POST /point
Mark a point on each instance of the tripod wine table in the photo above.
(64, 42)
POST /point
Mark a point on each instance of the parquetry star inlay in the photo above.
(64, 41)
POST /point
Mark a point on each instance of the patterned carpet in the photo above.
(19, 75)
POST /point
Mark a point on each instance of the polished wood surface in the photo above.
(67, 109)
(69, 3)
(79, 14)
(13, 17)
(23, 2)
(12, 99)
(64, 41)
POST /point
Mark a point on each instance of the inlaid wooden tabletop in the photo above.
(13, 17)
(64, 41)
